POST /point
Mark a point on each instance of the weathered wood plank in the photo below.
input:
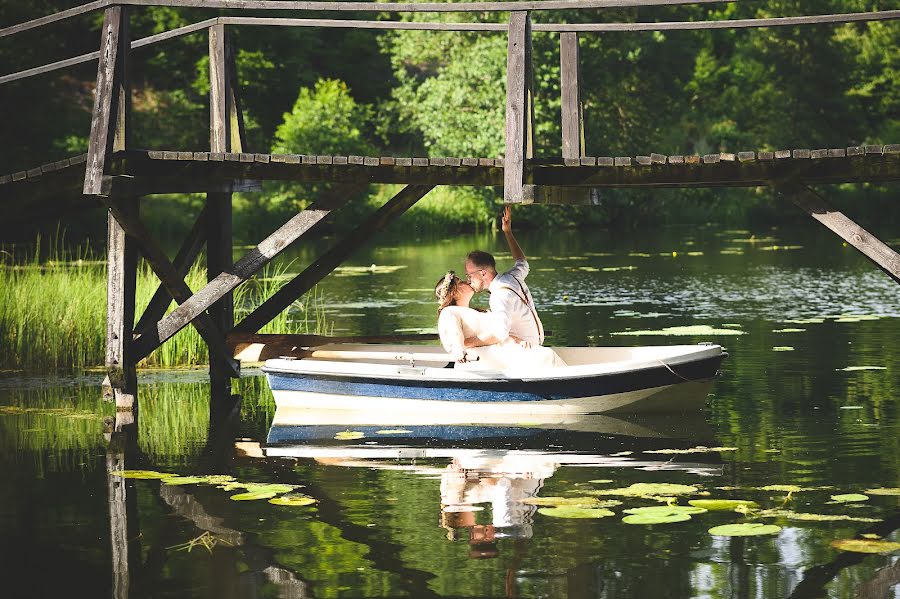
(519, 107)
(874, 249)
(121, 281)
(218, 116)
(187, 254)
(571, 108)
(255, 347)
(103, 115)
(194, 306)
(167, 274)
(326, 263)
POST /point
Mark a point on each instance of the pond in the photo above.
(803, 419)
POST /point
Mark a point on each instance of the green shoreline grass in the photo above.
(52, 313)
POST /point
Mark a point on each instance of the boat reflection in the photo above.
(487, 468)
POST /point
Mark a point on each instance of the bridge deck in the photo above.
(137, 172)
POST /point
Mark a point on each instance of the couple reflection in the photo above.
(470, 482)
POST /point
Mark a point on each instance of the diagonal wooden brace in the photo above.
(873, 248)
(193, 306)
(325, 264)
(174, 284)
(185, 257)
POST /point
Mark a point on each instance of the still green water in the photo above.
(807, 397)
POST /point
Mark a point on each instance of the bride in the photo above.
(468, 334)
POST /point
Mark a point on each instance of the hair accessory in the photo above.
(445, 286)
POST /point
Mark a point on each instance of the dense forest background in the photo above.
(331, 91)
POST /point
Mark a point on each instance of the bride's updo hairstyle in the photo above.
(446, 289)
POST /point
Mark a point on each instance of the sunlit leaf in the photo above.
(349, 435)
(782, 348)
(865, 545)
(562, 501)
(884, 491)
(253, 495)
(745, 529)
(575, 512)
(849, 498)
(276, 488)
(657, 517)
(184, 480)
(143, 474)
(647, 489)
(723, 504)
(292, 500)
(667, 509)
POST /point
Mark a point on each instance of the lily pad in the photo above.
(723, 505)
(276, 488)
(184, 480)
(865, 545)
(745, 529)
(143, 474)
(849, 498)
(647, 489)
(782, 348)
(855, 368)
(253, 495)
(789, 330)
(349, 435)
(292, 500)
(601, 481)
(562, 501)
(667, 509)
(666, 517)
(575, 512)
(884, 491)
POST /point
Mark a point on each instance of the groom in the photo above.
(511, 300)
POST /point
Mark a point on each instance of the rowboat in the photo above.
(409, 378)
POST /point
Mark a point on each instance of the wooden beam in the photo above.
(874, 249)
(237, 135)
(184, 259)
(219, 222)
(174, 284)
(519, 108)
(570, 89)
(254, 347)
(121, 281)
(194, 306)
(114, 46)
(326, 263)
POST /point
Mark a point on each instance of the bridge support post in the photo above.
(112, 98)
(519, 110)
(225, 135)
(570, 90)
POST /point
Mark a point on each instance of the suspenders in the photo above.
(524, 297)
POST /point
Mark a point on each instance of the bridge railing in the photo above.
(110, 119)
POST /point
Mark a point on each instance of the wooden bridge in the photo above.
(117, 174)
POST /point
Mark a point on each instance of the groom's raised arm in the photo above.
(506, 226)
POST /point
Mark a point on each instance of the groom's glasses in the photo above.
(471, 273)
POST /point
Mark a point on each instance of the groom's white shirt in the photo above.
(516, 317)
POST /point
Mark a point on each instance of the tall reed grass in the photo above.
(53, 310)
